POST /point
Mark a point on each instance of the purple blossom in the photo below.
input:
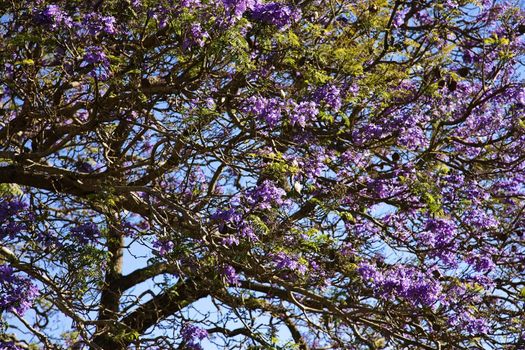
(233, 219)
(481, 263)
(267, 109)
(96, 24)
(402, 282)
(329, 94)
(196, 36)
(163, 246)
(369, 273)
(192, 336)
(17, 293)
(399, 17)
(10, 345)
(277, 14)
(190, 3)
(85, 233)
(239, 7)
(55, 17)
(8, 209)
(303, 112)
(438, 233)
(231, 275)
(266, 195)
(95, 55)
(480, 219)
(284, 261)
(466, 321)
(230, 240)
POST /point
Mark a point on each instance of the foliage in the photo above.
(251, 174)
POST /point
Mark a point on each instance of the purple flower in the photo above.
(163, 246)
(480, 219)
(438, 233)
(399, 17)
(97, 24)
(196, 36)
(284, 261)
(55, 17)
(467, 322)
(402, 282)
(85, 233)
(17, 293)
(277, 14)
(231, 275)
(481, 263)
(230, 240)
(95, 54)
(8, 209)
(329, 94)
(303, 113)
(239, 7)
(266, 195)
(369, 273)
(192, 336)
(10, 345)
(267, 109)
(190, 3)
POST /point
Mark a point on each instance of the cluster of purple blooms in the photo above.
(193, 335)
(9, 226)
(303, 113)
(404, 282)
(239, 7)
(196, 36)
(330, 94)
(87, 233)
(283, 261)
(439, 235)
(96, 56)
(230, 275)
(9, 345)
(273, 13)
(163, 247)
(272, 109)
(234, 219)
(267, 109)
(266, 195)
(54, 17)
(95, 24)
(277, 14)
(17, 293)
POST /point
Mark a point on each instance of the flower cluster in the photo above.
(267, 109)
(303, 113)
(404, 282)
(193, 335)
(329, 94)
(54, 17)
(230, 275)
(284, 261)
(17, 293)
(9, 210)
(277, 14)
(95, 24)
(96, 57)
(238, 7)
(266, 195)
(85, 233)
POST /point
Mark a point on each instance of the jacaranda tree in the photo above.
(250, 174)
